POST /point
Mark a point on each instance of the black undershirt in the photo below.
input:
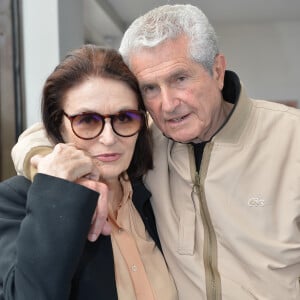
(198, 152)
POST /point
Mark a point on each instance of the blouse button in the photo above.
(134, 268)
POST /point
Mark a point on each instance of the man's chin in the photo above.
(183, 140)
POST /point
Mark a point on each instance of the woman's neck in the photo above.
(115, 196)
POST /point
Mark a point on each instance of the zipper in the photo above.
(210, 257)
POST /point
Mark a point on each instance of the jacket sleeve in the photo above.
(42, 236)
(32, 141)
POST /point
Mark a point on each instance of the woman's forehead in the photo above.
(103, 95)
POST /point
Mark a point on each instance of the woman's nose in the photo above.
(107, 135)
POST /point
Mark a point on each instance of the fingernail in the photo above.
(92, 237)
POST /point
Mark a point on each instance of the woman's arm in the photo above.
(43, 229)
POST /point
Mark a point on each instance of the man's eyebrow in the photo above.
(178, 72)
(146, 84)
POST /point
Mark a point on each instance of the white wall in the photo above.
(265, 56)
(51, 28)
(71, 27)
(41, 50)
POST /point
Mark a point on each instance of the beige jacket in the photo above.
(233, 231)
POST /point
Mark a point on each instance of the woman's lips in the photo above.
(108, 157)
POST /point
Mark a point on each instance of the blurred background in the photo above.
(260, 38)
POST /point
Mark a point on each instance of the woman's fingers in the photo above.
(66, 162)
(99, 224)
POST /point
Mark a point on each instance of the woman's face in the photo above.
(105, 97)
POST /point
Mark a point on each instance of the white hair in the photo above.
(169, 22)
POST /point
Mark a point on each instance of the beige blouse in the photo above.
(140, 268)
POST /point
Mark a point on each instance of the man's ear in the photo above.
(219, 69)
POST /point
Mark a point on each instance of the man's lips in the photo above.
(108, 157)
(177, 119)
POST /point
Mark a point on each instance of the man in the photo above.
(225, 185)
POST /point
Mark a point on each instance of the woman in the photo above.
(93, 112)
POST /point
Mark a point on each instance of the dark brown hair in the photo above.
(79, 65)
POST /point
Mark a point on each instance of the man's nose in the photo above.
(169, 101)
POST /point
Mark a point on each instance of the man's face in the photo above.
(183, 99)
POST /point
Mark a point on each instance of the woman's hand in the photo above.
(72, 164)
(66, 162)
(99, 223)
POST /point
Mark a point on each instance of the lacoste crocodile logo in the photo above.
(256, 202)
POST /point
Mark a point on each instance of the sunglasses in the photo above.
(88, 126)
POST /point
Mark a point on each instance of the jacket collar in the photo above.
(234, 92)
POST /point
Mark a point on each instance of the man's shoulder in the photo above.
(277, 107)
(276, 119)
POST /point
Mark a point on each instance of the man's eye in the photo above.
(181, 78)
(149, 91)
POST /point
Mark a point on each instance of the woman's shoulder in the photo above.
(13, 195)
(17, 184)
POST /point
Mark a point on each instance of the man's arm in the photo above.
(32, 141)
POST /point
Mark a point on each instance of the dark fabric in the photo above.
(44, 253)
(232, 87)
(198, 153)
(141, 200)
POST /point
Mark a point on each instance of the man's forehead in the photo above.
(165, 72)
(147, 69)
